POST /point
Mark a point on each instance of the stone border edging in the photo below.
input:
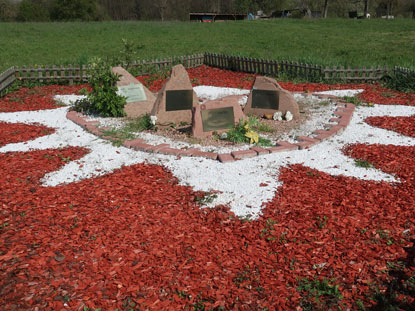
(342, 115)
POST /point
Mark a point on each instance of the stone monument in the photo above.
(216, 116)
(176, 99)
(140, 100)
(268, 97)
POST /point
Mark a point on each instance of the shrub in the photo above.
(30, 11)
(401, 81)
(103, 99)
(70, 10)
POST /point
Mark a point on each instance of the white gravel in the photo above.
(341, 93)
(238, 182)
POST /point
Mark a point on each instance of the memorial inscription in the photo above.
(217, 119)
(134, 92)
(179, 100)
(265, 99)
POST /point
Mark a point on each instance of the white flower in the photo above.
(288, 116)
(153, 120)
(277, 116)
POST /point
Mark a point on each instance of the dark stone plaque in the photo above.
(179, 100)
(217, 119)
(265, 99)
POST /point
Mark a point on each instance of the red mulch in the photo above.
(136, 235)
(135, 239)
(37, 98)
(205, 75)
(403, 125)
(19, 132)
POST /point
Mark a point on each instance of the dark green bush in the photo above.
(401, 81)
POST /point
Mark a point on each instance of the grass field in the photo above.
(327, 42)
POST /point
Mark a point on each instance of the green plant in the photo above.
(363, 163)
(206, 198)
(268, 230)
(319, 294)
(245, 132)
(103, 99)
(321, 222)
(126, 132)
(352, 99)
(401, 81)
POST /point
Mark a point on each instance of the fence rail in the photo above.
(6, 79)
(73, 74)
(188, 61)
(53, 73)
(295, 69)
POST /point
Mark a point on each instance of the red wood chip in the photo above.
(136, 239)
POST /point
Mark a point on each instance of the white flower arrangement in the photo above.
(153, 120)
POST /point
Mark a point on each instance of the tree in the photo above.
(69, 10)
(326, 3)
(366, 10)
(8, 10)
(162, 7)
(32, 11)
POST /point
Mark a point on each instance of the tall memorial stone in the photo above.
(268, 97)
(216, 116)
(140, 100)
(176, 99)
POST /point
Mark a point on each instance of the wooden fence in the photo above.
(294, 69)
(188, 61)
(52, 73)
(310, 72)
(262, 66)
(355, 74)
(6, 79)
(402, 70)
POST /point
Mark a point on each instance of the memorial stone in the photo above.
(216, 116)
(176, 99)
(140, 100)
(268, 97)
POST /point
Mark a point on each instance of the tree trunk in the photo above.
(366, 8)
(326, 3)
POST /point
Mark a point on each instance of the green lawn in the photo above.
(327, 42)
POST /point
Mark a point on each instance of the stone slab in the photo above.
(138, 105)
(286, 101)
(178, 81)
(225, 108)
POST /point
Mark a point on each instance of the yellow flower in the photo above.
(253, 136)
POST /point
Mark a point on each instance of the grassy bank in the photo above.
(331, 41)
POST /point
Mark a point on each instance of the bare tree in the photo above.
(162, 7)
(366, 8)
(326, 3)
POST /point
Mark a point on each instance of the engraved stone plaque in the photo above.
(134, 92)
(217, 119)
(179, 100)
(265, 99)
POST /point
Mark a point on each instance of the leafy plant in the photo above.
(352, 99)
(207, 198)
(244, 132)
(103, 99)
(363, 163)
(401, 81)
(319, 294)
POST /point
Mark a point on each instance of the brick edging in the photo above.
(342, 115)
